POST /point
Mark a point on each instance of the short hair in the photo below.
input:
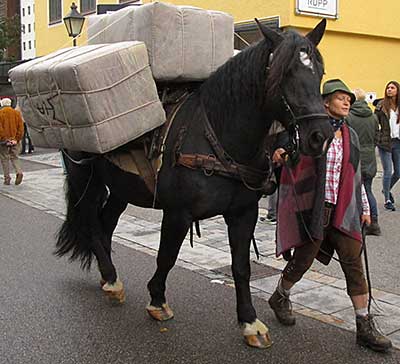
(360, 94)
(328, 97)
(6, 102)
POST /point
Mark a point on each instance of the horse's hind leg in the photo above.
(175, 226)
(109, 217)
(240, 230)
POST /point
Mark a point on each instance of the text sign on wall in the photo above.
(325, 8)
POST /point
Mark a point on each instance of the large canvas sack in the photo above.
(93, 98)
(184, 43)
(95, 30)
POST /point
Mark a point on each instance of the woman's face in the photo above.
(338, 105)
(391, 90)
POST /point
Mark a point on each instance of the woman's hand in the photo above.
(366, 219)
(279, 156)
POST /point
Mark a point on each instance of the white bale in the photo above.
(93, 98)
(184, 43)
(96, 25)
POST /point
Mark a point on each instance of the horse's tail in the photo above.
(85, 195)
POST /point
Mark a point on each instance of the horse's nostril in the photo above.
(316, 139)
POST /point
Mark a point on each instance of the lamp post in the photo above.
(74, 23)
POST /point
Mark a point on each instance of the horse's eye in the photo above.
(305, 59)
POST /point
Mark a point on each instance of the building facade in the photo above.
(11, 9)
(361, 44)
(28, 39)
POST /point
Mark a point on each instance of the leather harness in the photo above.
(219, 163)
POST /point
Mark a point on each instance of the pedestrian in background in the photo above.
(365, 123)
(274, 134)
(387, 112)
(26, 137)
(271, 209)
(11, 133)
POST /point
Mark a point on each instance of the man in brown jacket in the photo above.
(11, 132)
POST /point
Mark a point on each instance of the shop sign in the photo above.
(324, 8)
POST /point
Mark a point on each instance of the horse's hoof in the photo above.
(256, 335)
(162, 313)
(258, 341)
(115, 292)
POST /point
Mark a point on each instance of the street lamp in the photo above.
(74, 23)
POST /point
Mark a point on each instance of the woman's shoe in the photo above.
(389, 206)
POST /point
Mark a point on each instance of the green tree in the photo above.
(10, 33)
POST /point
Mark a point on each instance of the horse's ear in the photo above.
(270, 34)
(316, 34)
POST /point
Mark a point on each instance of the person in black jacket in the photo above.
(365, 123)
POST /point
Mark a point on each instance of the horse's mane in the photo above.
(286, 54)
(245, 76)
(241, 76)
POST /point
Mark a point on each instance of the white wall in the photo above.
(28, 46)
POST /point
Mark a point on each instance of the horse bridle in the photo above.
(293, 147)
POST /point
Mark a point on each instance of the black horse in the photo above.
(276, 79)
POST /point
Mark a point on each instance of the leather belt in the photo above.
(210, 165)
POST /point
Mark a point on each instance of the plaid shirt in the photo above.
(334, 159)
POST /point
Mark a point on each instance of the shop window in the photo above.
(247, 32)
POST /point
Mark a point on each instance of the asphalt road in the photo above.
(52, 312)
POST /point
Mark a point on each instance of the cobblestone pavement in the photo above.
(319, 296)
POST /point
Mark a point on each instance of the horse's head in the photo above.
(294, 73)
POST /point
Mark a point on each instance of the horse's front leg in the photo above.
(240, 229)
(175, 225)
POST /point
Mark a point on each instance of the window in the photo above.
(23, 11)
(23, 28)
(29, 28)
(247, 32)
(29, 10)
(30, 45)
(88, 6)
(54, 11)
(24, 46)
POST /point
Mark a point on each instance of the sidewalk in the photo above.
(319, 296)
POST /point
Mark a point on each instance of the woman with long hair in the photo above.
(388, 141)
